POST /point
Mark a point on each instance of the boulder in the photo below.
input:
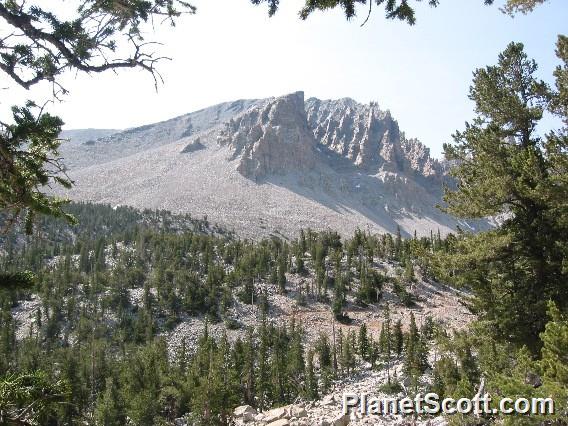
(244, 410)
(276, 414)
(533, 380)
(297, 411)
(248, 417)
(193, 146)
(181, 421)
(328, 400)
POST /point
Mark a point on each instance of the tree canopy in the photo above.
(394, 9)
(100, 35)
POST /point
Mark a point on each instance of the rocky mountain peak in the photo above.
(369, 137)
(271, 138)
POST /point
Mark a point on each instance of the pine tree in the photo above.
(302, 243)
(347, 354)
(311, 386)
(398, 244)
(274, 274)
(504, 167)
(398, 338)
(401, 10)
(295, 364)
(363, 342)
(374, 353)
(249, 376)
(385, 341)
(282, 274)
(413, 362)
(263, 384)
(110, 409)
(555, 347)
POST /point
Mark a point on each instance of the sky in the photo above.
(231, 50)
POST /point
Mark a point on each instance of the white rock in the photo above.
(248, 417)
(244, 409)
(275, 414)
(328, 400)
(180, 422)
(298, 411)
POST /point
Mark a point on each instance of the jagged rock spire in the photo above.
(271, 138)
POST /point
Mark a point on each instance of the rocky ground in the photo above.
(435, 300)
(328, 411)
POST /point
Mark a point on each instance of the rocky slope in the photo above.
(88, 147)
(271, 166)
(328, 411)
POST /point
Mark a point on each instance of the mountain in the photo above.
(271, 167)
(88, 136)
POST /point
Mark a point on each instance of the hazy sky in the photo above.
(231, 50)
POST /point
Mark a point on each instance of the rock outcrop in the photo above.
(194, 145)
(282, 134)
(272, 138)
(369, 137)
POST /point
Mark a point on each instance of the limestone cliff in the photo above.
(369, 137)
(271, 138)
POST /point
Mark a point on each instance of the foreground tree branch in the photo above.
(394, 9)
(40, 46)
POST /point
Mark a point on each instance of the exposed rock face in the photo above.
(280, 135)
(272, 138)
(369, 137)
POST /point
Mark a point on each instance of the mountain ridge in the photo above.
(272, 166)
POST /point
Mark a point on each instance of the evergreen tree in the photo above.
(555, 347)
(503, 167)
(110, 410)
(385, 341)
(398, 338)
(324, 352)
(249, 376)
(402, 9)
(282, 274)
(347, 358)
(363, 342)
(311, 386)
(263, 387)
(414, 362)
